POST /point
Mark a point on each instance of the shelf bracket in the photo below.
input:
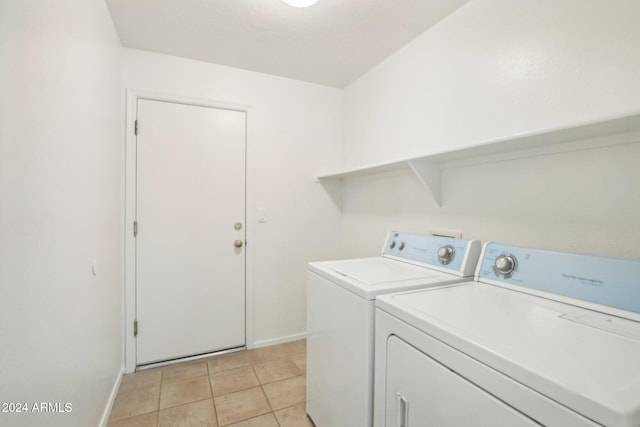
(430, 175)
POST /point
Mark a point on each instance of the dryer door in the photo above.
(421, 392)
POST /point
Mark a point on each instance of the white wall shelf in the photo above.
(615, 131)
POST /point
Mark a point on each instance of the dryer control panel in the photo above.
(611, 282)
(448, 254)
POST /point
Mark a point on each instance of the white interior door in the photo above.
(190, 276)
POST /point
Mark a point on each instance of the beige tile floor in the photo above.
(264, 387)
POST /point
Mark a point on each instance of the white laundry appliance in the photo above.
(340, 315)
(540, 338)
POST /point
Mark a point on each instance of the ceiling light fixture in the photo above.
(300, 3)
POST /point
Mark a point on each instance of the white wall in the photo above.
(496, 68)
(60, 200)
(294, 130)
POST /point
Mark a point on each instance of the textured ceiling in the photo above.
(331, 43)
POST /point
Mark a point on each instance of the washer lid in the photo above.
(585, 360)
(369, 277)
(374, 271)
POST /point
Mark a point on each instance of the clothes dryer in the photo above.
(539, 338)
(340, 315)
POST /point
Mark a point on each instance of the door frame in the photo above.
(130, 195)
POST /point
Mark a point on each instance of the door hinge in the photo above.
(135, 228)
(135, 328)
(135, 130)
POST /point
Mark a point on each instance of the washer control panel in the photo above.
(613, 282)
(455, 254)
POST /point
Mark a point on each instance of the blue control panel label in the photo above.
(612, 282)
(424, 249)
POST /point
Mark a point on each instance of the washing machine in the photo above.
(340, 317)
(539, 338)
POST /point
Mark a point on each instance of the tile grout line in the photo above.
(273, 411)
(265, 394)
(160, 397)
(213, 400)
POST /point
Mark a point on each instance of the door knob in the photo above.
(237, 243)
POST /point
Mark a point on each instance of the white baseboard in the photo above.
(280, 340)
(112, 398)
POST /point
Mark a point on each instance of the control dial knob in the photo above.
(445, 254)
(505, 264)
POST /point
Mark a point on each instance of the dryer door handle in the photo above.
(402, 411)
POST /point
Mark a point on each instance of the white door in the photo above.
(190, 274)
